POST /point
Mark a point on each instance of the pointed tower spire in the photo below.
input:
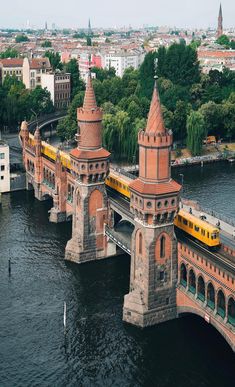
(220, 22)
(89, 100)
(155, 123)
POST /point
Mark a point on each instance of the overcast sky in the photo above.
(111, 13)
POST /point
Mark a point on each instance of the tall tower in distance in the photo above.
(154, 203)
(89, 27)
(220, 23)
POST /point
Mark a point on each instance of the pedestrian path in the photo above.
(227, 231)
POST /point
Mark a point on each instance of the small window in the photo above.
(2, 167)
(2, 177)
(190, 225)
(203, 232)
(149, 204)
(196, 228)
(2, 156)
(180, 218)
(185, 222)
(162, 275)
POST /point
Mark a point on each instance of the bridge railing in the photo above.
(117, 239)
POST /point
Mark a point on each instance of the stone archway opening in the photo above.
(183, 275)
(231, 311)
(201, 289)
(221, 304)
(211, 296)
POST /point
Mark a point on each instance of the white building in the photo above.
(122, 60)
(33, 70)
(4, 167)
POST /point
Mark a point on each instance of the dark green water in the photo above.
(101, 350)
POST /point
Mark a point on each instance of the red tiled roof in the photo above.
(155, 123)
(38, 63)
(89, 154)
(155, 188)
(11, 62)
(216, 54)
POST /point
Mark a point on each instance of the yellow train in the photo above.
(50, 152)
(119, 183)
(203, 231)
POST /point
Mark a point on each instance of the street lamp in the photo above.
(182, 184)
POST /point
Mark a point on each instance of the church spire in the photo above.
(155, 123)
(220, 22)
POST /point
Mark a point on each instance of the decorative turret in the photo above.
(89, 120)
(24, 132)
(154, 180)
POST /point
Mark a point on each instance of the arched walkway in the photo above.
(192, 282)
(201, 288)
(183, 275)
(231, 311)
(221, 304)
(211, 296)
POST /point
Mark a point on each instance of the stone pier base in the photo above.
(135, 312)
(56, 216)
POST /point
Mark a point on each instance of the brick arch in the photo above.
(95, 202)
(184, 310)
(167, 249)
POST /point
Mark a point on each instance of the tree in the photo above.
(9, 53)
(223, 40)
(180, 119)
(54, 59)
(21, 38)
(77, 84)
(88, 41)
(102, 74)
(212, 115)
(195, 132)
(47, 43)
(40, 101)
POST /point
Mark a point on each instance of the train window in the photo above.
(190, 225)
(208, 235)
(203, 232)
(180, 218)
(185, 222)
(196, 228)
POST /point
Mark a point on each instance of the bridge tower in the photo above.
(90, 166)
(37, 164)
(154, 203)
(24, 136)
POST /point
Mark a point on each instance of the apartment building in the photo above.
(33, 70)
(4, 167)
(10, 67)
(59, 86)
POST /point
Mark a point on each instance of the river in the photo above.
(99, 350)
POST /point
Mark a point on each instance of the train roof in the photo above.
(119, 176)
(199, 222)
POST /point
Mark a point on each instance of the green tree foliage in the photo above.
(16, 102)
(88, 41)
(195, 132)
(77, 84)
(102, 74)
(21, 38)
(9, 53)
(47, 43)
(54, 59)
(223, 40)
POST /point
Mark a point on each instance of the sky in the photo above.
(116, 13)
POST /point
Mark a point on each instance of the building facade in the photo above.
(122, 60)
(33, 70)
(11, 67)
(4, 167)
(59, 86)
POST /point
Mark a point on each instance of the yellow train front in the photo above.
(205, 232)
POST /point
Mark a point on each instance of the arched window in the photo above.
(162, 246)
(183, 275)
(211, 296)
(140, 243)
(201, 289)
(231, 311)
(221, 304)
(192, 282)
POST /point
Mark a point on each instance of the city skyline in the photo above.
(182, 14)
